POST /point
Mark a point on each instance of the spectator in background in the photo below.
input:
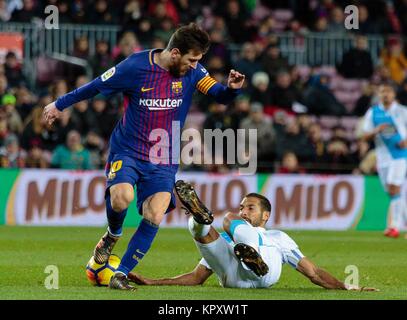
(292, 139)
(272, 61)
(64, 12)
(393, 58)
(11, 155)
(5, 15)
(102, 59)
(8, 103)
(101, 13)
(35, 158)
(320, 100)
(4, 131)
(361, 151)
(283, 93)
(161, 9)
(317, 144)
(265, 134)
(218, 49)
(165, 30)
(128, 44)
(81, 49)
(218, 118)
(338, 153)
(58, 88)
(336, 21)
(261, 90)
(34, 129)
(402, 93)
(235, 19)
(366, 100)
(240, 110)
(13, 70)
(215, 65)
(131, 14)
(248, 64)
(25, 101)
(81, 80)
(357, 62)
(95, 144)
(71, 155)
(144, 31)
(158, 43)
(64, 125)
(321, 24)
(82, 117)
(26, 13)
(265, 27)
(104, 118)
(3, 85)
(78, 9)
(296, 80)
(188, 10)
(367, 25)
(290, 165)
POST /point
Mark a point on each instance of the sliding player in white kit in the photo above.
(386, 123)
(246, 255)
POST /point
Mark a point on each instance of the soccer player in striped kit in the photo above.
(157, 86)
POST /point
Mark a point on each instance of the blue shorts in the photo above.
(149, 178)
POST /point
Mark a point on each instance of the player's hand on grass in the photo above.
(51, 113)
(356, 288)
(138, 279)
(235, 80)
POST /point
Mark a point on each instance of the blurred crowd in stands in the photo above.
(308, 117)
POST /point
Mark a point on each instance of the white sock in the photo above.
(198, 230)
(397, 209)
(245, 233)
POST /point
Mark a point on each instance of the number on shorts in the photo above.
(116, 166)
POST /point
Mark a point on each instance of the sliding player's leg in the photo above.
(248, 241)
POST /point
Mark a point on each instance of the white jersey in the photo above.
(386, 143)
(275, 247)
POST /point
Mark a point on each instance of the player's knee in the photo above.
(154, 208)
(121, 199)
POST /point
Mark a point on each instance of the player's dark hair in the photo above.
(264, 202)
(388, 84)
(189, 37)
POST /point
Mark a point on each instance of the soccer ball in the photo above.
(100, 274)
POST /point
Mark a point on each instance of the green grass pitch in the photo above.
(26, 251)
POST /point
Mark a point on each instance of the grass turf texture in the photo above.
(26, 251)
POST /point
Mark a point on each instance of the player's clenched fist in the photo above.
(235, 80)
(51, 113)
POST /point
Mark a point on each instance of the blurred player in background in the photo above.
(246, 255)
(386, 123)
(158, 86)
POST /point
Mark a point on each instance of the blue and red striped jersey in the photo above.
(154, 101)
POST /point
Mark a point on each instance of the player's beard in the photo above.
(175, 71)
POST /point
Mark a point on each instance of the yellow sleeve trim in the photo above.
(149, 57)
(205, 84)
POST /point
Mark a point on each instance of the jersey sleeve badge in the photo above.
(108, 74)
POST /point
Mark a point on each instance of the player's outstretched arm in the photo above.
(196, 277)
(324, 279)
